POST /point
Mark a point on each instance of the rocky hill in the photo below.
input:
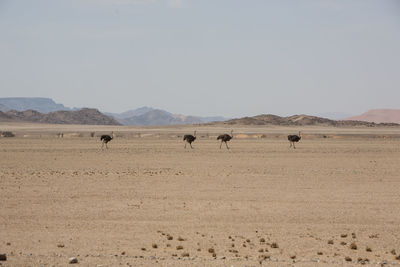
(379, 116)
(82, 116)
(298, 120)
(40, 104)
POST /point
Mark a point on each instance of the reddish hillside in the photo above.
(379, 116)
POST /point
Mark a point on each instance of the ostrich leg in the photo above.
(226, 143)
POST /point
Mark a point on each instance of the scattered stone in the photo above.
(330, 242)
(154, 246)
(73, 260)
(293, 257)
(374, 236)
(368, 249)
(393, 251)
(261, 250)
(353, 246)
(343, 235)
(211, 250)
(248, 240)
(181, 239)
(123, 253)
(179, 247)
(185, 254)
(214, 255)
(170, 237)
(343, 243)
(144, 249)
(347, 258)
(353, 235)
(60, 245)
(3, 257)
(320, 253)
(8, 244)
(262, 240)
(398, 257)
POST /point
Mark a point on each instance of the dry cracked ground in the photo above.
(147, 201)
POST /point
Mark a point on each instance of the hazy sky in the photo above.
(204, 57)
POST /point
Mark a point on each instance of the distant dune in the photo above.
(379, 116)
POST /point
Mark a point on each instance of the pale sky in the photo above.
(204, 57)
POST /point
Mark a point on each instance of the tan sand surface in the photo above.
(65, 197)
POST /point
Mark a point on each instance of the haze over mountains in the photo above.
(379, 115)
(45, 110)
(144, 116)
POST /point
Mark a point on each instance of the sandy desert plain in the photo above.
(147, 201)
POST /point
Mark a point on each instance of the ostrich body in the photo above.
(294, 139)
(105, 138)
(189, 139)
(225, 138)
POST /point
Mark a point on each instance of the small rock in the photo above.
(73, 260)
(3, 257)
(8, 244)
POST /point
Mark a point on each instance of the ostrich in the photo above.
(225, 138)
(189, 139)
(294, 138)
(105, 138)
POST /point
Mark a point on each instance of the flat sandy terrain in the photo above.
(148, 201)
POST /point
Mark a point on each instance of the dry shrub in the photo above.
(211, 250)
(353, 246)
(274, 245)
(330, 242)
(179, 247)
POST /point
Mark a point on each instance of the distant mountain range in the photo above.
(151, 116)
(379, 116)
(82, 116)
(298, 120)
(45, 110)
(40, 104)
(21, 109)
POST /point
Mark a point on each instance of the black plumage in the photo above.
(105, 138)
(189, 139)
(293, 138)
(225, 138)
